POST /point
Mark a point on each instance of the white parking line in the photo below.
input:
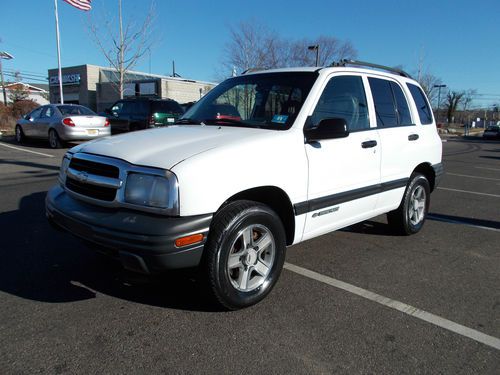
(22, 149)
(470, 192)
(469, 176)
(400, 306)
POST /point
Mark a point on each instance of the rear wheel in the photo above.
(20, 137)
(54, 140)
(244, 254)
(410, 216)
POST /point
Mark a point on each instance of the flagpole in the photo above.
(58, 53)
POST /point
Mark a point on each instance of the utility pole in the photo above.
(439, 87)
(4, 56)
(120, 64)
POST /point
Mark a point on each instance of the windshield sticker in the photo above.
(280, 119)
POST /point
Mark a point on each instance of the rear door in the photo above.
(400, 139)
(344, 173)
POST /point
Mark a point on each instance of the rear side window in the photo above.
(423, 108)
(166, 107)
(391, 106)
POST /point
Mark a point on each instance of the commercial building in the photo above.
(96, 86)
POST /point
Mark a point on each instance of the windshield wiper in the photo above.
(216, 121)
(188, 121)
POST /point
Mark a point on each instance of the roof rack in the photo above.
(345, 62)
(251, 70)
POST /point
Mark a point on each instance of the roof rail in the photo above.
(345, 62)
(251, 70)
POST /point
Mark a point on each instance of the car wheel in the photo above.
(20, 138)
(54, 140)
(244, 254)
(410, 216)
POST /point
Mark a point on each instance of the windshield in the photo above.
(268, 100)
(67, 110)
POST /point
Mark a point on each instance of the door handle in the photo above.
(368, 144)
(413, 137)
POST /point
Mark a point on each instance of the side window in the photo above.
(384, 102)
(117, 108)
(391, 106)
(402, 109)
(343, 97)
(423, 108)
(47, 113)
(36, 113)
(127, 108)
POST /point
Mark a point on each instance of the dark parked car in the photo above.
(492, 132)
(136, 114)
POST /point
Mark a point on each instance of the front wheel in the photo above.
(410, 216)
(244, 254)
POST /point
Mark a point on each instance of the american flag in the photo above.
(80, 4)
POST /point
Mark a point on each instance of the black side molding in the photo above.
(346, 196)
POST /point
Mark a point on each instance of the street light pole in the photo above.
(315, 48)
(5, 56)
(439, 87)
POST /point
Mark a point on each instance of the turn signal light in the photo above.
(68, 122)
(189, 240)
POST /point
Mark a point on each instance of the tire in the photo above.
(20, 137)
(54, 140)
(236, 271)
(410, 216)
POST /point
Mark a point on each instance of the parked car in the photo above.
(265, 160)
(492, 132)
(60, 123)
(142, 113)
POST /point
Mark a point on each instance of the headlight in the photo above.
(64, 168)
(152, 191)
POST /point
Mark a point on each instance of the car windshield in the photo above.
(67, 110)
(267, 100)
(166, 107)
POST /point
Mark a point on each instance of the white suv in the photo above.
(265, 160)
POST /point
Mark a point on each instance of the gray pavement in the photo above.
(64, 309)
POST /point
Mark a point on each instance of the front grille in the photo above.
(94, 168)
(92, 191)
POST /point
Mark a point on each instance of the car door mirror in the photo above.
(328, 128)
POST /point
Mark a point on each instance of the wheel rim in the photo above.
(416, 208)
(251, 258)
(52, 139)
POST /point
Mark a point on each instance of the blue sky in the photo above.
(459, 40)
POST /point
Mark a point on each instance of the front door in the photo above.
(344, 173)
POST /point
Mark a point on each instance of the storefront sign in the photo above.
(67, 79)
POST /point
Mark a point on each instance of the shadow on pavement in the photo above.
(30, 164)
(371, 227)
(42, 264)
(464, 220)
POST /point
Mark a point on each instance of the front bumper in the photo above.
(143, 242)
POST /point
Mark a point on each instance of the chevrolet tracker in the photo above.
(265, 160)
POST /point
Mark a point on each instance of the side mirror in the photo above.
(328, 128)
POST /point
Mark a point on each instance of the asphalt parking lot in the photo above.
(358, 300)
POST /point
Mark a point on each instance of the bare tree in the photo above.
(453, 99)
(122, 48)
(428, 81)
(468, 98)
(253, 45)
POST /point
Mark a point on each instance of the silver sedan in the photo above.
(60, 123)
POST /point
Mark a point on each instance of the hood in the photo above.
(166, 147)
